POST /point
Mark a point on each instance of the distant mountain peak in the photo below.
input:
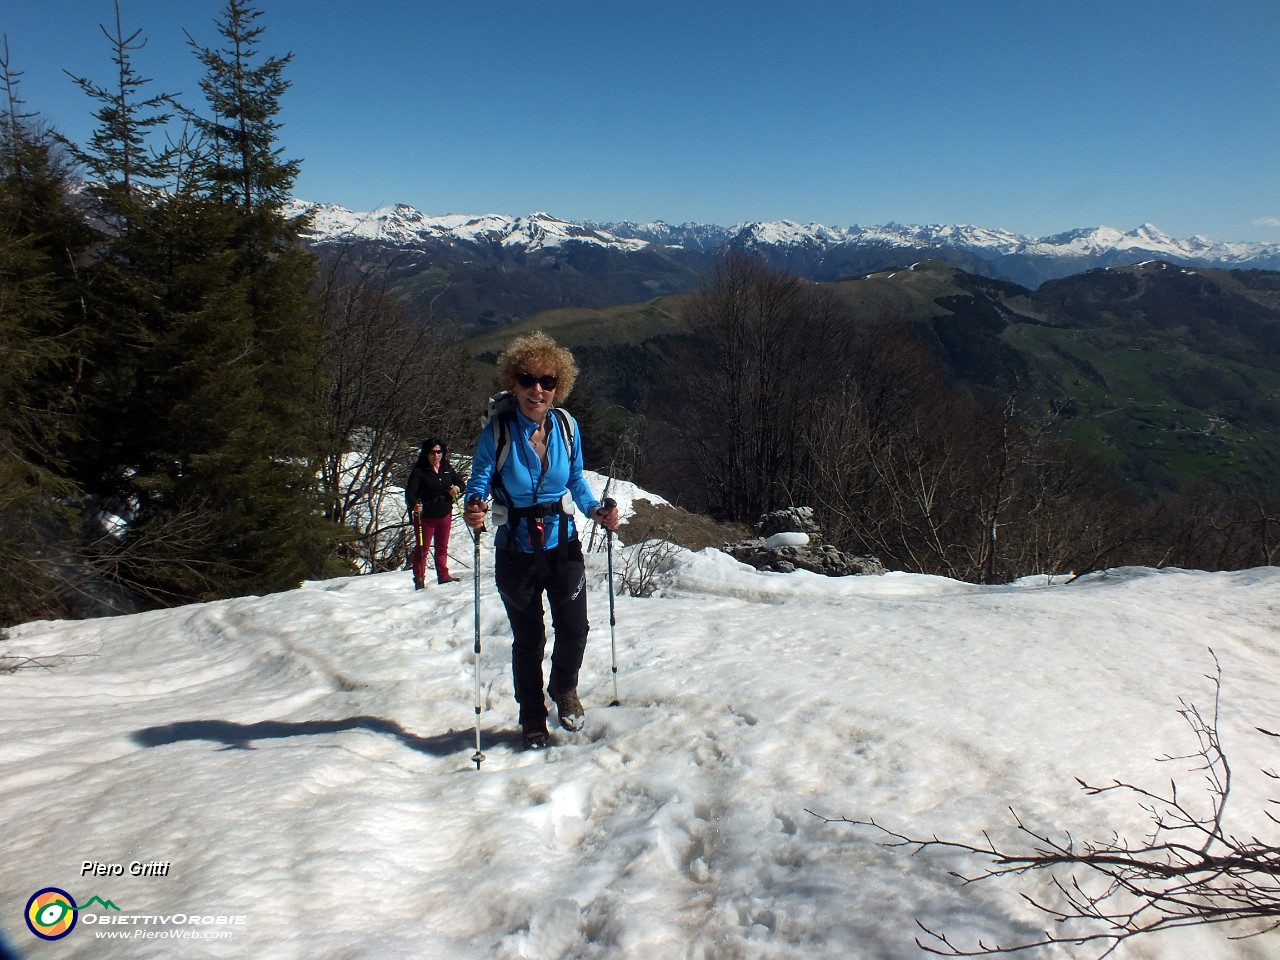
(1010, 255)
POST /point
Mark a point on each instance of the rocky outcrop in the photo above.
(790, 540)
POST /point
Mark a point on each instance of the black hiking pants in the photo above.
(522, 584)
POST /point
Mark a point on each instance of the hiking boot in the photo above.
(536, 736)
(418, 583)
(572, 716)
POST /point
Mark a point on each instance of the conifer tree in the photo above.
(29, 480)
(205, 405)
(255, 410)
(41, 242)
(125, 177)
(245, 166)
(120, 158)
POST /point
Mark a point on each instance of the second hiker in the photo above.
(529, 460)
(429, 496)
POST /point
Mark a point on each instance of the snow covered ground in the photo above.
(296, 769)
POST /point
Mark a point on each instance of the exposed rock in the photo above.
(790, 520)
(791, 540)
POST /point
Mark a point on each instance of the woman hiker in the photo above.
(536, 481)
(429, 495)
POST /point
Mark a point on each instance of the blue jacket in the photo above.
(525, 482)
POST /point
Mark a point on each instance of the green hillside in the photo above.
(1168, 373)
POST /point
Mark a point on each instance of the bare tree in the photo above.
(888, 492)
(390, 380)
(893, 450)
(768, 346)
(1207, 528)
(925, 478)
(1188, 870)
(651, 549)
(1264, 517)
(626, 456)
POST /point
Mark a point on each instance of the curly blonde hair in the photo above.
(537, 351)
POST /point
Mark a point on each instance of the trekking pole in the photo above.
(604, 498)
(477, 758)
(416, 520)
(609, 504)
(457, 503)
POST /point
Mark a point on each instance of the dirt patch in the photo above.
(690, 530)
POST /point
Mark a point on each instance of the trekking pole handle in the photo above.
(609, 504)
(482, 528)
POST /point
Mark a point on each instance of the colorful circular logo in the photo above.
(51, 913)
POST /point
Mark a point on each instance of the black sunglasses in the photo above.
(547, 381)
(435, 451)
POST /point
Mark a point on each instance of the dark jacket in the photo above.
(431, 489)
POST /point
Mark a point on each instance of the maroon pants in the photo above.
(425, 530)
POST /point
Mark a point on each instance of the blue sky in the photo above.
(1026, 115)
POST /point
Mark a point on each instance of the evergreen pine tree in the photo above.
(258, 464)
(204, 403)
(41, 243)
(120, 158)
(125, 179)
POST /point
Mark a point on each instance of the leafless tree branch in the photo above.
(1188, 870)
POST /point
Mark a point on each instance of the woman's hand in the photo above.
(473, 514)
(607, 517)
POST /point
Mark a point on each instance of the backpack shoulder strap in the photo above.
(501, 442)
(501, 420)
(496, 415)
(568, 429)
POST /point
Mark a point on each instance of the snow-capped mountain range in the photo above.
(402, 225)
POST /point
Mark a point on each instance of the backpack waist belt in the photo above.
(533, 517)
(539, 510)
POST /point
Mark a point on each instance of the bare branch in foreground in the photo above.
(11, 664)
(1188, 871)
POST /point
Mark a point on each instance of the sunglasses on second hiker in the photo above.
(547, 381)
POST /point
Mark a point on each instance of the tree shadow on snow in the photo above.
(241, 736)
